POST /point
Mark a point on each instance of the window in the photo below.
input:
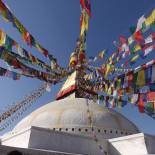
(106, 153)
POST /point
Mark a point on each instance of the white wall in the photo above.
(64, 142)
(128, 145)
(17, 140)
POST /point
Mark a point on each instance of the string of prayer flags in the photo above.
(143, 45)
(85, 4)
(142, 76)
(144, 102)
(114, 96)
(8, 43)
(98, 57)
(25, 103)
(78, 55)
(27, 37)
(10, 74)
(137, 35)
(12, 60)
(84, 22)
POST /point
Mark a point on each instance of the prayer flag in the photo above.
(122, 40)
(150, 107)
(153, 74)
(149, 39)
(141, 78)
(148, 50)
(130, 40)
(134, 98)
(138, 36)
(152, 86)
(141, 20)
(132, 29)
(133, 60)
(141, 103)
(144, 27)
(148, 74)
(153, 26)
(101, 54)
(151, 96)
(85, 4)
(137, 47)
(2, 38)
(149, 20)
(153, 35)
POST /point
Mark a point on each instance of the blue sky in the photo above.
(55, 24)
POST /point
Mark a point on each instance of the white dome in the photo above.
(70, 114)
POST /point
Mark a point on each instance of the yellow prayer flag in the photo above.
(101, 54)
(130, 40)
(153, 14)
(84, 23)
(150, 19)
(108, 66)
(137, 48)
(134, 58)
(141, 78)
(2, 38)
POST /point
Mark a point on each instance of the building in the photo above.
(74, 125)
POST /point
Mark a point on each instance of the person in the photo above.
(14, 153)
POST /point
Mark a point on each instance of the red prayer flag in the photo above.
(151, 96)
(85, 4)
(130, 78)
(141, 103)
(45, 52)
(122, 40)
(138, 36)
(126, 63)
(153, 35)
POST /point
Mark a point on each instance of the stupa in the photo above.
(74, 124)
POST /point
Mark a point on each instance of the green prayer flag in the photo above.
(132, 49)
(149, 107)
(132, 29)
(144, 28)
(153, 27)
